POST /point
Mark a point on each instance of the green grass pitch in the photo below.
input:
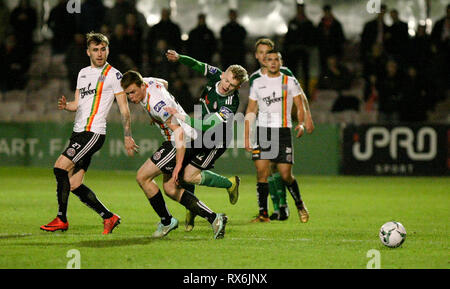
(345, 216)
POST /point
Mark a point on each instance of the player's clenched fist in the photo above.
(62, 103)
(172, 55)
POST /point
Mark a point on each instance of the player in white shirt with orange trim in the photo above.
(97, 87)
(170, 159)
(273, 95)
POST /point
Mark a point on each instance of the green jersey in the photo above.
(212, 100)
(216, 107)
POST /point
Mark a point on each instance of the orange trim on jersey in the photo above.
(97, 96)
(284, 93)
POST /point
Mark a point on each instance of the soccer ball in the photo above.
(392, 234)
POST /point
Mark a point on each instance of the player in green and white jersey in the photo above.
(220, 101)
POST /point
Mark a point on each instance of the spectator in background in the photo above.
(134, 35)
(374, 67)
(4, 20)
(201, 43)
(180, 89)
(373, 33)
(92, 15)
(298, 41)
(23, 22)
(389, 88)
(232, 36)
(336, 76)
(14, 63)
(397, 38)
(440, 37)
(120, 49)
(63, 26)
(330, 37)
(165, 30)
(414, 103)
(117, 14)
(76, 58)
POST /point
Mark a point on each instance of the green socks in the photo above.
(211, 179)
(274, 194)
(277, 191)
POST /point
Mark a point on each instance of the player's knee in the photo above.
(287, 177)
(141, 177)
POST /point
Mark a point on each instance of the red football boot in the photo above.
(56, 225)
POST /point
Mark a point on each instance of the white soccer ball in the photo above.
(392, 234)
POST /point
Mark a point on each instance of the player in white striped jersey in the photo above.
(97, 87)
(170, 158)
(277, 189)
(273, 95)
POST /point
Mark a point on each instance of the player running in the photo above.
(273, 95)
(97, 87)
(170, 158)
(277, 189)
(220, 101)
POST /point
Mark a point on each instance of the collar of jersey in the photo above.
(100, 68)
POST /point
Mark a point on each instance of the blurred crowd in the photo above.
(404, 75)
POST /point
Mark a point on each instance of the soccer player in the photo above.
(97, 87)
(277, 188)
(220, 101)
(169, 158)
(272, 96)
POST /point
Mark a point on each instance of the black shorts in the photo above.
(204, 158)
(82, 147)
(274, 144)
(165, 157)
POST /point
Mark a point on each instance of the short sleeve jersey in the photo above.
(156, 98)
(274, 96)
(97, 87)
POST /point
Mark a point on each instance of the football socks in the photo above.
(281, 188)
(211, 179)
(88, 197)
(194, 205)
(62, 192)
(159, 205)
(295, 193)
(273, 193)
(262, 190)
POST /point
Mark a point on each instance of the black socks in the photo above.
(159, 205)
(90, 199)
(62, 192)
(262, 190)
(194, 205)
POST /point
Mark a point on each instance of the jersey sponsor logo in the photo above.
(159, 105)
(118, 75)
(271, 99)
(212, 69)
(87, 91)
(225, 112)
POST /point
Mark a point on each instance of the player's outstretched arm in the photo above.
(63, 104)
(196, 65)
(199, 124)
(130, 145)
